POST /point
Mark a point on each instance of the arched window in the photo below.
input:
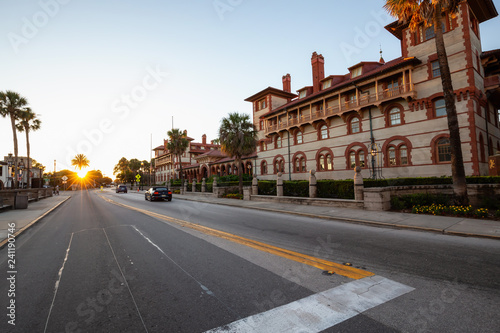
(352, 159)
(429, 31)
(299, 163)
(278, 142)
(298, 137)
(355, 126)
(443, 150)
(323, 130)
(263, 167)
(397, 155)
(325, 161)
(356, 157)
(279, 165)
(439, 108)
(392, 156)
(395, 116)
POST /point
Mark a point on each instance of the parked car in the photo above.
(158, 193)
(121, 188)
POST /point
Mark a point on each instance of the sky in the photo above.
(109, 78)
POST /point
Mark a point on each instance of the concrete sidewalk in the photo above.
(25, 218)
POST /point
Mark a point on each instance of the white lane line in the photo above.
(59, 276)
(323, 310)
(125, 281)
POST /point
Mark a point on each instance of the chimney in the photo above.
(204, 139)
(318, 70)
(287, 83)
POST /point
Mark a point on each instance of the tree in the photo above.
(177, 145)
(80, 161)
(11, 104)
(429, 12)
(238, 137)
(28, 121)
(121, 169)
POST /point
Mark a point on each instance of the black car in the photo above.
(121, 188)
(158, 193)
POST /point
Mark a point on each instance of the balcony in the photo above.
(376, 99)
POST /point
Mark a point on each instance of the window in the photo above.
(263, 168)
(443, 150)
(299, 164)
(279, 165)
(278, 142)
(439, 108)
(325, 161)
(395, 116)
(298, 138)
(261, 104)
(327, 84)
(361, 158)
(261, 125)
(398, 155)
(352, 159)
(323, 132)
(356, 72)
(302, 94)
(429, 31)
(355, 128)
(436, 71)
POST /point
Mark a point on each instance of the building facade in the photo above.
(389, 117)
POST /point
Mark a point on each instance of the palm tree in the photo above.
(177, 145)
(28, 121)
(429, 12)
(80, 161)
(238, 137)
(11, 104)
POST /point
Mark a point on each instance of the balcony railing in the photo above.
(406, 90)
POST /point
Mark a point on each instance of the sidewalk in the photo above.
(25, 218)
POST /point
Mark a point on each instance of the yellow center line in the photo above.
(347, 271)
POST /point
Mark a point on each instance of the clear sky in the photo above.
(105, 76)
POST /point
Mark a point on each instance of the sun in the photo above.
(82, 173)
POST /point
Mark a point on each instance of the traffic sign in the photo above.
(64, 178)
(138, 178)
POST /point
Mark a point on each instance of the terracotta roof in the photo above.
(348, 81)
(272, 91)
(159, 148)
(490, 53)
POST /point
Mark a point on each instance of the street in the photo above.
(108, 262)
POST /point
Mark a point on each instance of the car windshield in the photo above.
(160, 189)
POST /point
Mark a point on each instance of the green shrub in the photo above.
(267, 187)
(428, 181)
(298, 188)
(407, 201)
(234, 196)
(336, 189)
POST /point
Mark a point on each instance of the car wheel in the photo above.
(169, 199)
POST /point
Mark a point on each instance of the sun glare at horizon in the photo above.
(81, 173)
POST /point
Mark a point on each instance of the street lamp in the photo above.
(10, 163)
(20, 166)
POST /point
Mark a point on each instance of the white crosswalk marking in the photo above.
(322, 310)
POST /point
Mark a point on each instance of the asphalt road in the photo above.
(94, 266)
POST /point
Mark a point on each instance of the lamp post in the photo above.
(20, 166)
(142, 170)
(9, 163)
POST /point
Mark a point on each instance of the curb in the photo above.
(359, 221)
(29, 225)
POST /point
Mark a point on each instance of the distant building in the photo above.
(387, 117)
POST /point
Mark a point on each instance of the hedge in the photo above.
(428, 181)
(267, 187)
(296, 188)
(335, 189)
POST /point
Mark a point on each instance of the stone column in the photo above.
(279, 185)
(193, 188)
(214, 185)
(313, 189)
(255, 186)
(203, 185)
(358, 184)
(185, 187)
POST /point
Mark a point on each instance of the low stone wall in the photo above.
(379, 198)
(309, 201)
(8, 196)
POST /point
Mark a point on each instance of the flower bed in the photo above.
(464, 211)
